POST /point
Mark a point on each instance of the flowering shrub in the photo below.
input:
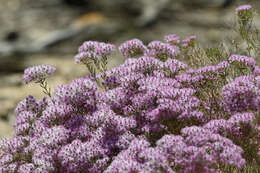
(153, 113)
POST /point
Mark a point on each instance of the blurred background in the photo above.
(50, 31)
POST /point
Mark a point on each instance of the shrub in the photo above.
(153, 113)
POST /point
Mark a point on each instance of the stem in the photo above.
(44, 85)
(93, 72)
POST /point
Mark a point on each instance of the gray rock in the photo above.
(150, 11)
(208, 3)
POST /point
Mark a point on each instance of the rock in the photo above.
(208, 3)
(150, 11)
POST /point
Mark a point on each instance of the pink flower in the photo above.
(37, 73)
(243, 7)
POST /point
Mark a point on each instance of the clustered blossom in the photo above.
(232, 125)
(243, 7)
(195, 150)
(132, 48)
(242, 94)
(149, 119)
(80, 92)
(203, 77)
(36, 73)
(93, 50)
(161, 50)
(172, 39)
(189, 41)
(245, 15)
(242, 60)
(239, 127)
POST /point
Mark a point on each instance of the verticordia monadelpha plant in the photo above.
(153, 113)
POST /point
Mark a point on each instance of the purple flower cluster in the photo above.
(240, 127)
(242, 60)
(203, 77)
(242, 94)
(189, 41)
(195, 150)
(81, 92)
(243, 7)
(93, 50)
(245, 15)
(156, 49)
(162, 50)
(36, 73)
(173, 39)
(132, 48)
(149, 119)
(232, 126)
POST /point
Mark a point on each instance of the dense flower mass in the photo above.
(37, 73)
(151, 117)
(242, 60)
(242, 94)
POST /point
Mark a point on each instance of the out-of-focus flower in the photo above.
(36, 73)
(243, 7)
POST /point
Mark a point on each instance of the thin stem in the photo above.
(44, 85)
(93, 72)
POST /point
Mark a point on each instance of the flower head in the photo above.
(172, 39)
(245, 14)
(243, 7)
(36, 73)
(161, 50)
(131, 48)
(93, 50)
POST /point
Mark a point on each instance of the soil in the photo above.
(24, 21)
